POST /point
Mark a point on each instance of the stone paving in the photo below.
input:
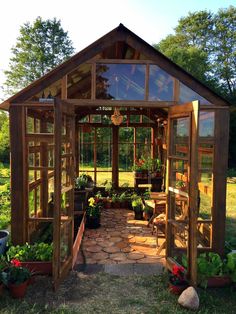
(120, 240)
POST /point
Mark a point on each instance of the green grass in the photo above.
(102, 293)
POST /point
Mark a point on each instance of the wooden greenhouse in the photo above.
(75, 114)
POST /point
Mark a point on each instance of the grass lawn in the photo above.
(103, 293)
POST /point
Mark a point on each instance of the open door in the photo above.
(64, 131)
(182, 185)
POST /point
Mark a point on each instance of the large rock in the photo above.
(189, 299)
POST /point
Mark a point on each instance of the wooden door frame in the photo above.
(190, 110)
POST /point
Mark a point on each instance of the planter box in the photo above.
(39, 268)
(218, 281)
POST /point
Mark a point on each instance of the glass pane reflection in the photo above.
(120, 81)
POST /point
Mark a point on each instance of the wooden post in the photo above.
(115, 157)
(77, 153)
(220, 179)
(18, 175)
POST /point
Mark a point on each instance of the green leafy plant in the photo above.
(31, 252)
(231, 265)
(137, 203)
(83, 181)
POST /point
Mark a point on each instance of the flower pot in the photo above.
(218, 281)
(138, 215)
(18, 291)
(92, 222)
(177, 289)
(38, 267)
(4, 234)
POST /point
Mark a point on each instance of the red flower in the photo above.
(178, 271)
(16, 263)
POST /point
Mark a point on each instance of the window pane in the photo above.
(206, 123)
(102, 177)
(126, 157)
(205, 156)
(180, 139)
(160, 84)
(120, 81)
(126, 135)
(126, 179)
(186, 94)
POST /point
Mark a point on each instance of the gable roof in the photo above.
(121, 33)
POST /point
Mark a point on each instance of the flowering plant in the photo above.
(148, 164)
(15, 273)
(95, 206)
(178, 276)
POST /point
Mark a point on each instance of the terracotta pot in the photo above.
(218, 281)
(177, 289)
(18, 291)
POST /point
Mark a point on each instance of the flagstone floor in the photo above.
(120, 240)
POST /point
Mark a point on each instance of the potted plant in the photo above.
(137, 206)
(16, 277)
(93, 213)
(148, 212)
(83, 181)
(177, 280)
(4, 234)
(36, 257)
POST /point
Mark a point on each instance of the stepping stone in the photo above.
(106, 243)
(93, 249)
(112, 249)
(89, 242)
(100, 256)
(115, 239)
(135, 256)
(118, 257)
(140, 239)
(147, 260)
(90, 261)
(127, 249)
(115, 234)
(122, 244)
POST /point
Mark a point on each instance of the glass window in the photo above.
(180, 139)
(160, 84)
(187, 94)
(206, 123)
(120, 81)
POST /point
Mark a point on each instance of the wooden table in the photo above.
(155, 182)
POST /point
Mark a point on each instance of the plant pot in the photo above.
(39, 267)
(92, 222)
(4, 234)
(138, 215)
(18, 291)
(177, 289)
(218, 281)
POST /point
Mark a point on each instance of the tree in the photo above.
(39, 48)
(4, 137)
(205, 45)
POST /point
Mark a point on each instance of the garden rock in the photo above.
(189, 299)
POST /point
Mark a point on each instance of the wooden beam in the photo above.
(120, 103)
(18, 176)
(115, 156)
(220, 179)
(64, 87)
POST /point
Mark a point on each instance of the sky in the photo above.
(87, 20)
